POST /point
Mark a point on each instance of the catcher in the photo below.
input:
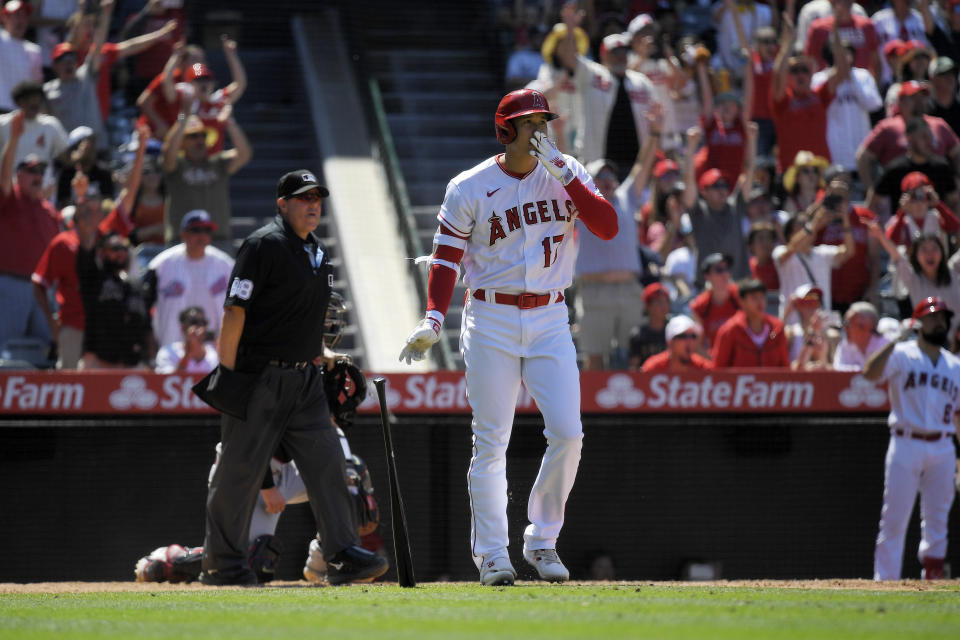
(345, 388)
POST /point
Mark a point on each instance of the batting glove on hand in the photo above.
(550, 157)
(423, 337)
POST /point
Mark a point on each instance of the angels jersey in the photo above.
(519, 229)
(923, 397)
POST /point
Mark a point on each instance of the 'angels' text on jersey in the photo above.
(540, 211)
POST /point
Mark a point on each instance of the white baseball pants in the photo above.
(503, 346)
(912, 466)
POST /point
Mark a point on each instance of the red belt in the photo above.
(926, 437)
(522, 300)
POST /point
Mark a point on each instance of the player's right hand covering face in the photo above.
(422, 338)
(550, 157)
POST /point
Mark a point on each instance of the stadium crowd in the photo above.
(117, 145)
(785, 173)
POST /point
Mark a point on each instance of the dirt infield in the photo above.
(8, 588)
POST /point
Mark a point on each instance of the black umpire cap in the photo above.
(299, 181)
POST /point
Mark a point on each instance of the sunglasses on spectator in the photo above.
(720, 185)
(767, 41)
(206, 230)
(36, 170)
(799, 69)
(198, 134)
(719, 269)
(116, 247)
(686, 336)
(309, 196)
(810, 171)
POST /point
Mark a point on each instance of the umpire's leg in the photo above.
(313, 442)
(245, 452)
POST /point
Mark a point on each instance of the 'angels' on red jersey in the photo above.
(519, 229)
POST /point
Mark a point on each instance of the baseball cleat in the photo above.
(547, 563)
(496, 570)
(316, 577)
(235, 577)
(355, 564)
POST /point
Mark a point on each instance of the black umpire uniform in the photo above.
(279, 292)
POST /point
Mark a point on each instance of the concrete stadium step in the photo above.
(441, 103)
(391, 60)
(437, 80)
(426, 192)
(442, 146)
(455, 124)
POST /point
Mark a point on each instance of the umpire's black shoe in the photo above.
(239, 577)
(355, 564)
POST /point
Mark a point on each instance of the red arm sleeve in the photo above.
(948, 219)
(442, 278)
(597, 214)
(895, 231)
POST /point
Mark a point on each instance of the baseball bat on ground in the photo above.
(401, 539)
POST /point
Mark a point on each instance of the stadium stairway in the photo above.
(440, 86)
(273, 114)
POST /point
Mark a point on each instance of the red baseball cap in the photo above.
(664, 167)
(895, 47)
(914, 180)
(196, 71)
(652, 290)
(709, 178)
(912, 88)
(17, 5)
(928, 305)
(61, 50)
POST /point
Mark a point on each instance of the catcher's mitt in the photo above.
(361, 488)
(346, 388)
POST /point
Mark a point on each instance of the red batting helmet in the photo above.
(515, 104)
(930, 305)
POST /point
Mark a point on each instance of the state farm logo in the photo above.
(620, 392)
(861, 391)
(133, 393)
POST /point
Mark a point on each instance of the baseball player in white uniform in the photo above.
(924, 383)
(510, 221)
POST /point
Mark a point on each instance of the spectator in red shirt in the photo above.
(857, 278)
(81, 28)
(799, 113)
(682, 334)
(856, 29)
(888, 139)
(757, 84)
(724, 131)
(28, 222)
(920, 212)
(200, 84)
(58, 268)
(752, 337)
(761, 240)
(154, 15)
(715, 305)
(155, 109)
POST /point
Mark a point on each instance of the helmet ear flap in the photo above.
(506, 132)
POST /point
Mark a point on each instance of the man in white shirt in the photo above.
(194, 353)
(21, 58)
(801, 262)
(192, 273)
(43, 135)
(860, 339)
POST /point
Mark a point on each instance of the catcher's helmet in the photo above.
(333, 321)
(518, 103)
(931, 304)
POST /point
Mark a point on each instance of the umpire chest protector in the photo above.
(283, 283)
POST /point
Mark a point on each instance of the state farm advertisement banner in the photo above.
(734, 391)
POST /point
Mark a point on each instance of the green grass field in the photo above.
(456, 610)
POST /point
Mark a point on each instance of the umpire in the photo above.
(271, 393)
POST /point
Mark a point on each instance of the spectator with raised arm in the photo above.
(736, 22)
(799, 111)
(920, 211)
(724, 131)
(198, 180)
(72, 95)
(28, 222)
(155, 109)
(898, 21)
(855, 30)
(83, 159)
